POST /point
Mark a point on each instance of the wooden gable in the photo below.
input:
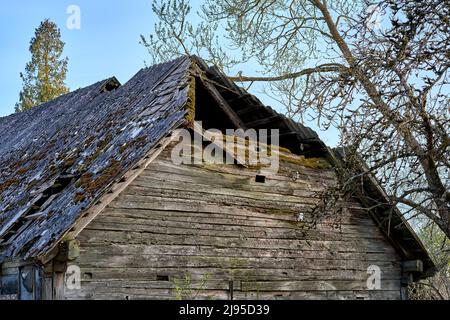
(213, 231)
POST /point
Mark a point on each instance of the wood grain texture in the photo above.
(187, 231)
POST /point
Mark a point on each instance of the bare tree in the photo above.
(376, 71)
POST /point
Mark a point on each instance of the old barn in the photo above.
(88, 190)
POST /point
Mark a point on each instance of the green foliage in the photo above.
(45, 74)
(438, 286)
(438, 246)
(185, 289)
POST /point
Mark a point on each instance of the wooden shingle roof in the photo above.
(58, 158)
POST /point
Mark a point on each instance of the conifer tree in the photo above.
(45, 74)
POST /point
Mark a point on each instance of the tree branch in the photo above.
(334, 67)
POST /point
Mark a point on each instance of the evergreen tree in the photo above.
(46, 72)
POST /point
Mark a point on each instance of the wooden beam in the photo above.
(47, 287)
(246, 110)
(263, 121)
(58, 286)
(223, 104)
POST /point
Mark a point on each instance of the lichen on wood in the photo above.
(191, 102)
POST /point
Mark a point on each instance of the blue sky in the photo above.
(107, 44)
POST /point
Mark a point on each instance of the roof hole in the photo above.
(37, 207)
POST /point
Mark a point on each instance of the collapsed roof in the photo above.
(59, 158)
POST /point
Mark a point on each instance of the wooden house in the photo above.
(93, 207)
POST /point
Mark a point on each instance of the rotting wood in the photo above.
(144, 234)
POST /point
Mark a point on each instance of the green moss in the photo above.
(313, 163)
(298, 224)
(98, 151)
(285, 150)
(104, 142)
(136, 143)
(22, 171)
(90, 186)
(17, 165)
(257, 166)
(123, 148)
(79, 197)
(282, 212)
(68, 163)
(32, 184)
(190, 104)
(88, 141)
(84, 180)
(23, 201)
(52, 169)
(38, 157)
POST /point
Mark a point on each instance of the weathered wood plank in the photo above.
(165, 227)
(146, 187)
(218, 199)
(261, 274)
(284, 164)
(208, 250)
(102, 292)
(124, 293)
(58, 286)
(314, 285)
(122, 237)
(319, 295)
(221, 171)
(47, 288)
(149, 202)
(201, 261)
(191, 212)
(286, 231)
(161, 169)
(239, 183)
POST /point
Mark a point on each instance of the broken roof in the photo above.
(59, 158)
